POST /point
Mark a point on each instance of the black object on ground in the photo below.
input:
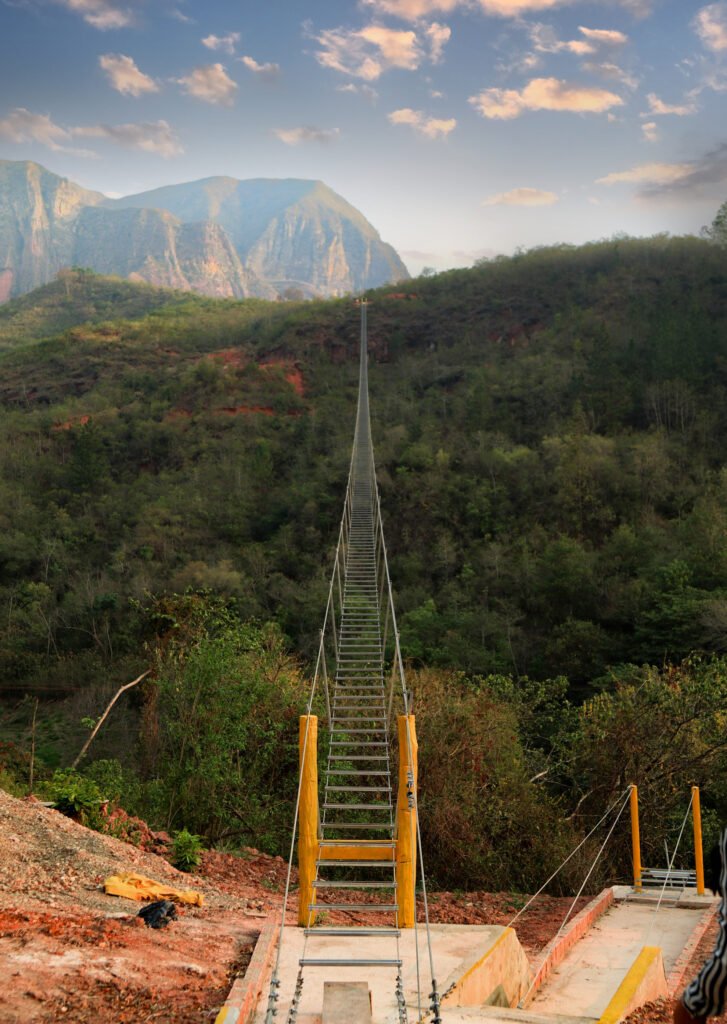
(158, 914)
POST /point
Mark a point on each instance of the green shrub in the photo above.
(187, 850)
(76, 796)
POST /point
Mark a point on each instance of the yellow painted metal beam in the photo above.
(406, 843)
(308, 817)
(635, 837)
(698, 851)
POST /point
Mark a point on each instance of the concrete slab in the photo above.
(587, 979)
(496, 1015)
(346, 1002)
(470, 960)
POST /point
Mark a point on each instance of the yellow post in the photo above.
(307, 817)
(698, 851)
(635, 838)
(406, 843)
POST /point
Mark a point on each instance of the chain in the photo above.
(295, 1002)
(272, 1011)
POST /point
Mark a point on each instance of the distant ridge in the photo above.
(218, 236)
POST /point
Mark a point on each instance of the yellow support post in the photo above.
(406, 841)
(698, 851)
(635, 838)
(307, 817)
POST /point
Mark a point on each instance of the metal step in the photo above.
(355, 932)
(356, 864)
(358, 789)
(373, 826)
(315, 962)
(321, 884)
(357, 807)
(354, 908)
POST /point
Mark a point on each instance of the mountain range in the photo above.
(223, 237)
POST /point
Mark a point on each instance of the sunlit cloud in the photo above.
(415, 10)
(604, 37)
(359, 89)
(210, 83)
(710, 24)
(543, 94)
(545, 40)
(226, 43)
(431, 127)
(306, 133)
(611, 71)
(23, 126)
(651, 174)
(156, 137)
(125, 76)
(102, 14)
(438, 36)
(522, 197)
(658, 107)
(705, 176)
(368, 52)
(650, 131)
(266, 71)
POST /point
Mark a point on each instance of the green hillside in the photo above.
(550, 433)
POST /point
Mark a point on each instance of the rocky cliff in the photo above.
(219, 236)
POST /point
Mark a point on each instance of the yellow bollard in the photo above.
(406, 843)
(698, 851)
(307, 817)
(635, 838)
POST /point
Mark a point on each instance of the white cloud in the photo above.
(522, 197)
(102, 14)
(359, 90)
(710, 24)
(225, 43)
(414, 10)
(125, 76)
(24, 126)
(306, 133)
(266, 71)
(650, 131)
(658, 107)
(151, 137)
(606, 69)
(652, 174)
(368, 52)
(181, 16)
(604, 37)
(210, 83)
(439, 36)
(544, 40)
(431, 127)
(543, 94)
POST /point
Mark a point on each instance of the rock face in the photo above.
(219, 236)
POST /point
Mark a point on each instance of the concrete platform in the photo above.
(585, 982)
(470, 961)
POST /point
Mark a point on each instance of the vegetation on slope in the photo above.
(550, 433)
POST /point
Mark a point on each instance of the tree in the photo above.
(717, 230)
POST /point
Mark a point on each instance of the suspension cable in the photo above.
(670, 865)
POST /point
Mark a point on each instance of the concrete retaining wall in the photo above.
(504, 964)
(644, 982)
(243, 997)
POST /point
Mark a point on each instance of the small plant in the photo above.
(76, 796)
(187, 850)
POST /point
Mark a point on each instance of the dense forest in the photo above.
(550, 432)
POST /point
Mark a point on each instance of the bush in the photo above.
(76, 796)
(186, 850)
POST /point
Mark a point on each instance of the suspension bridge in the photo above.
(359, 852)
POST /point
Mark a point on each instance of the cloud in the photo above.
(414, 10)
(266, 71)
(658, 107)
(359, 90)
(522, 197)
(439, 36)
(604, 37)
(306, 133)
(706, 176)
(651, 174)
(544, 40)
(181, 16)
(543, 94)
(125, 76)
(368, 52)
(606, 69)
(210, 83)
(650, 131)
(710, 24)
(431, 127)
(23, 125)
(225, 43)
(102, 14)
(151, 137)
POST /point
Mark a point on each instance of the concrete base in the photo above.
(470, 961)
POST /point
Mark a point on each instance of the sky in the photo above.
(460, 128)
